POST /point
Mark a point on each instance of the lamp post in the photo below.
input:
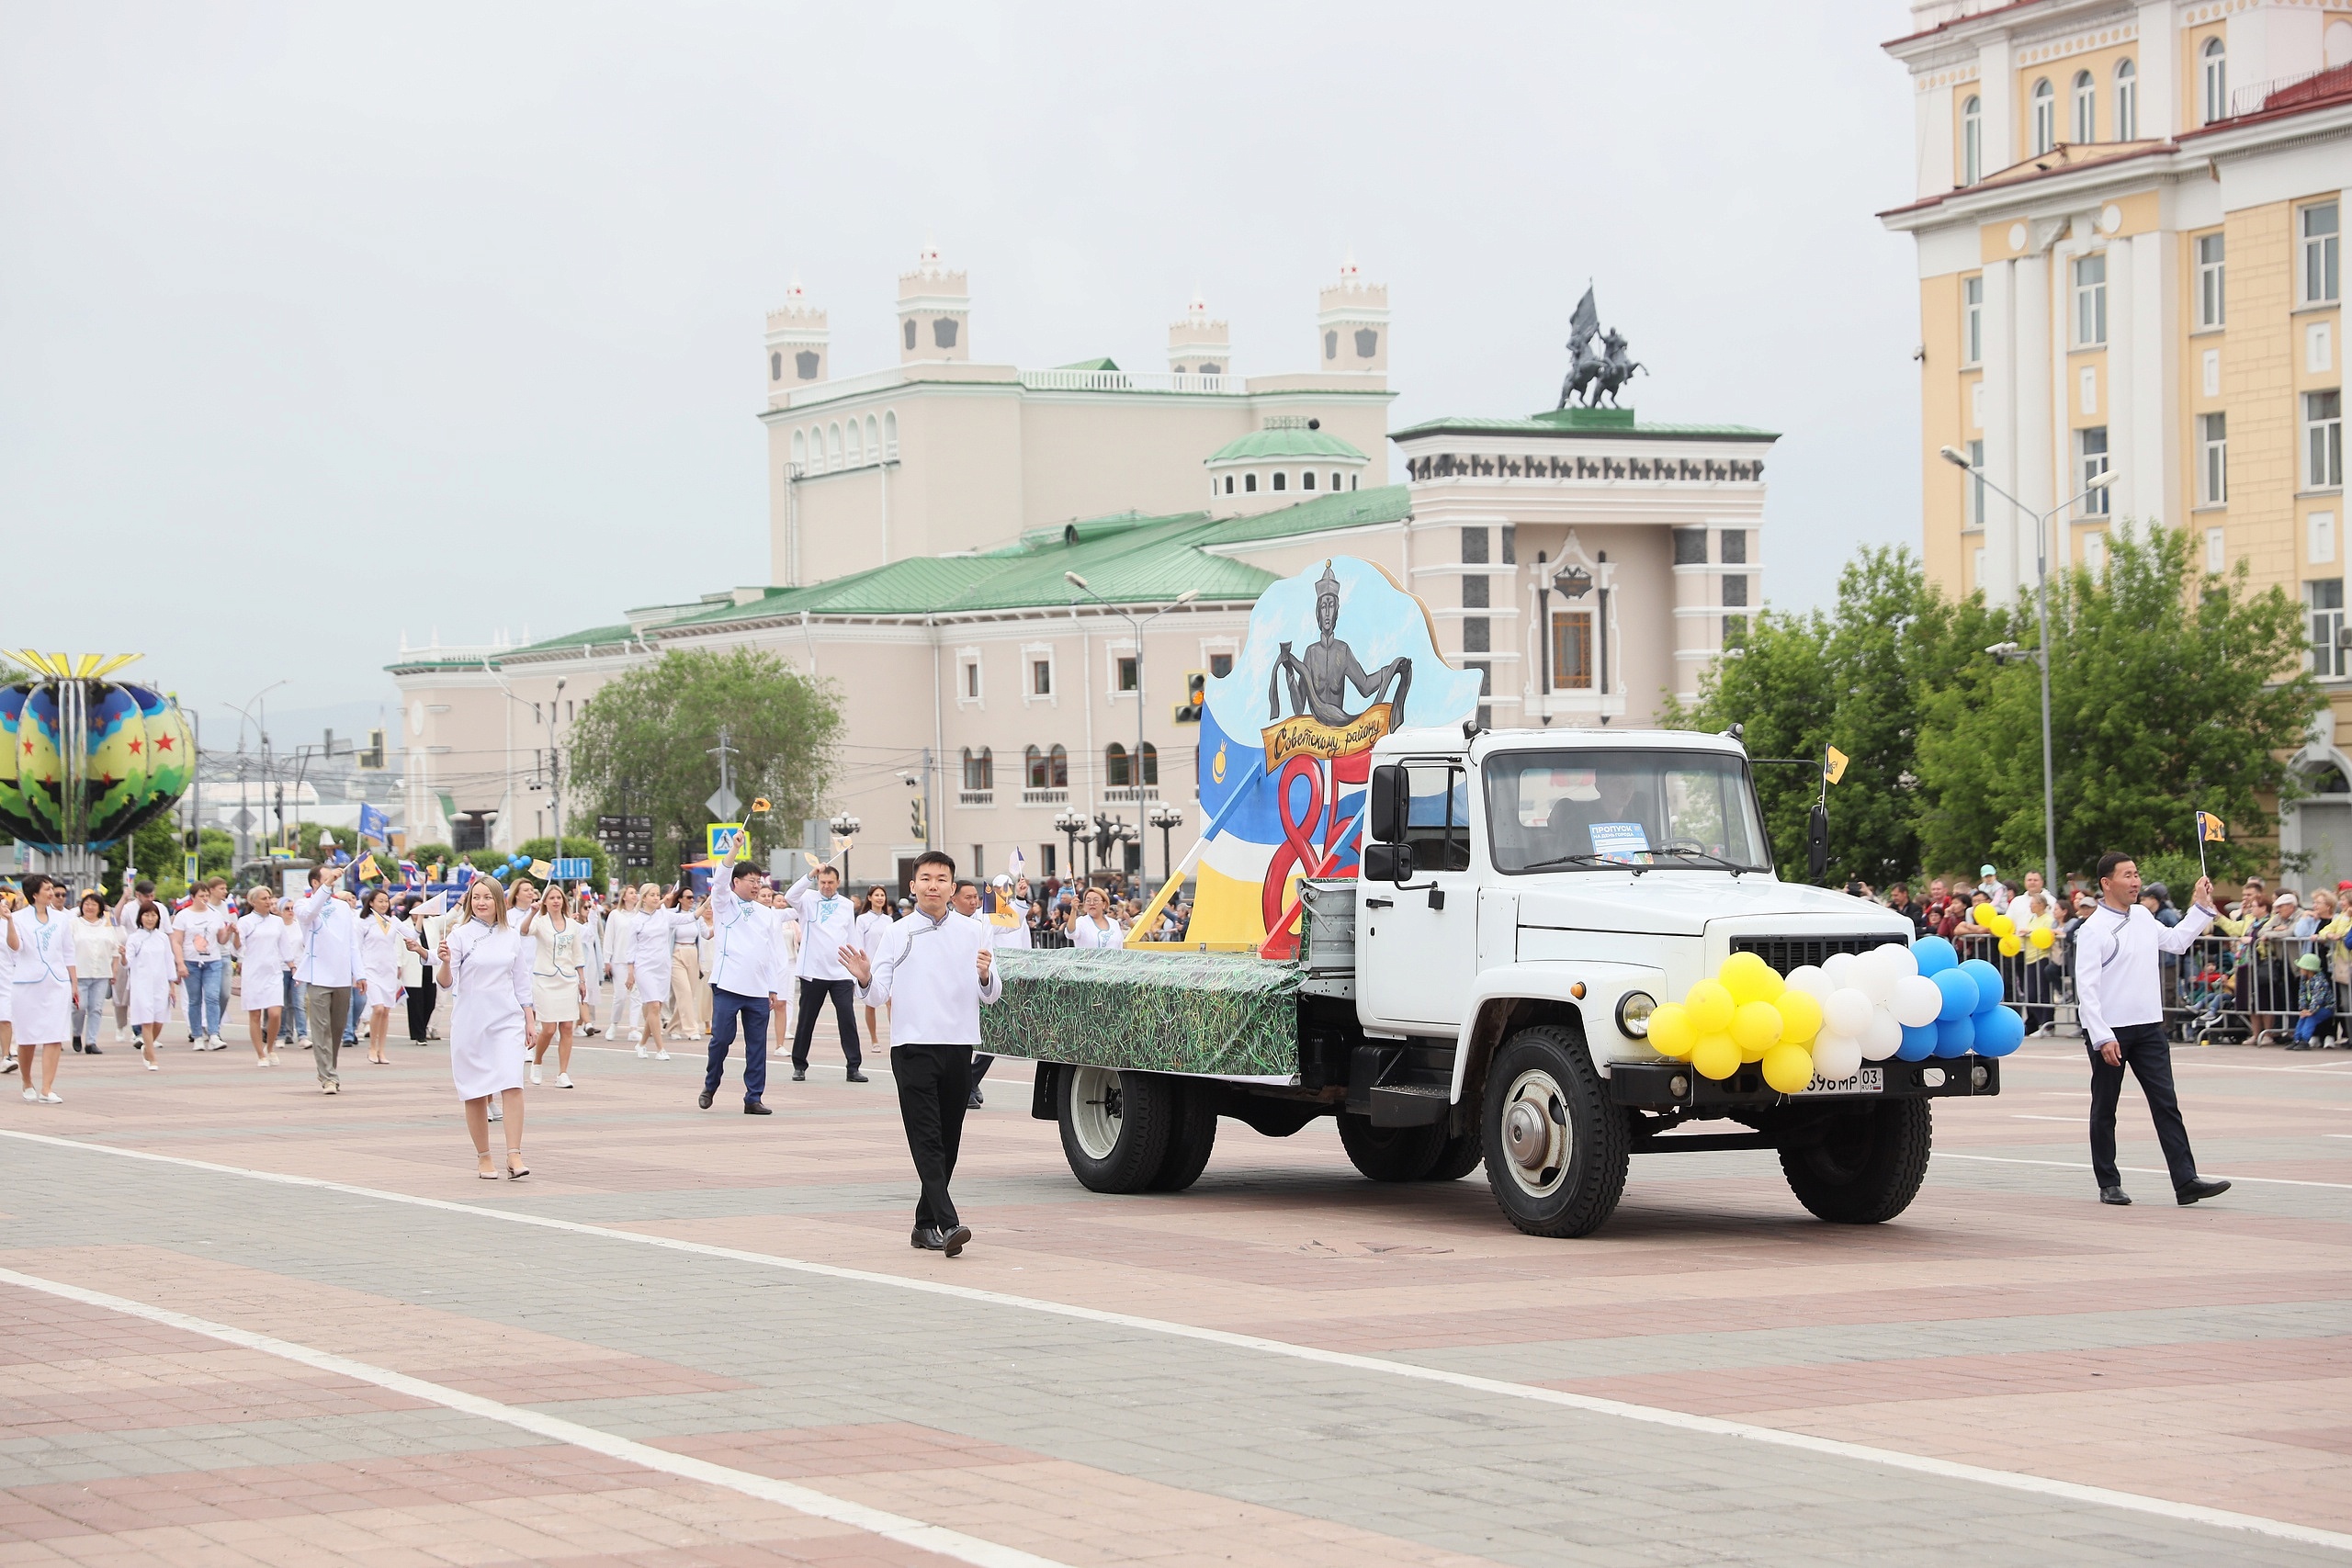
(261, 725)
(1069, 825)
(2005, 651)
(1166, 819)
(846, 827)
(555, 770)
(1135, 768)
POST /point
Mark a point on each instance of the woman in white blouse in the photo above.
(874, 922)
(267, 939)
(96, 941)
(383, 935)
(150, 968)
(558, 984)
(1096, 927)
(486, 970)
(620, 937)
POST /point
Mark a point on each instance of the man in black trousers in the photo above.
(2116, 986)
(936, 970)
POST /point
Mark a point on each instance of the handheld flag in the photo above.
(367, 872)
(2209, 832)
(1833, 766)
(542, 869)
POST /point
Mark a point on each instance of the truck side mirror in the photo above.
(1816, 841)
(1385, 821)
(1388, 862)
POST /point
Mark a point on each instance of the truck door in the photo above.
(1417, 942)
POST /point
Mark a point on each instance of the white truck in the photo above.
(1480, 993)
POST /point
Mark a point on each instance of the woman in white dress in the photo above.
(40, 939)
(8, 906)
(265, 935)
(149, 966)
(874, 922)
(383, 935)
(620, 933)
(591, 956)
(485, 967)
(559, 982)
(648, 967)
(1096, 927)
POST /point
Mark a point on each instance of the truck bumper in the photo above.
(1674, 1086)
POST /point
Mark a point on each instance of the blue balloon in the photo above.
(1998, 1033)
(1955, 1036)
(1958, 987)
(1935, 955)
(1918, 1042)
(1989, 989)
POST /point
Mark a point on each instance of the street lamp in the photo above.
(2040, 655)
(1166, 819)
(846, 827)
(1069, 825)
(261, 726)
(1135, 767)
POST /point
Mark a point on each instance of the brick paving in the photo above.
(2198, 1356)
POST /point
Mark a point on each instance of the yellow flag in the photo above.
(2209, 828)
(542, 869)
(367, 869)
(1834, 768)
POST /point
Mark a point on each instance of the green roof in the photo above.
(1294, 442)
(1104, 364)
(1343, 509)
(1583, 422)
(622, 633)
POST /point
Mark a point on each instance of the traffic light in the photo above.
(187, 841)
(918, 821)
(1196, 682)
(373, 757)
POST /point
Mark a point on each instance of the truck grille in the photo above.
(1787, 952)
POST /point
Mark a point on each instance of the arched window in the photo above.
(816, 449)
(1306, 479)
(910, 333)
(1114, 765)
(1150, 763)
(799, 450)
(833, 446)
(775, 366)
(2045, 117)
(891, 433)
(1033, 764)
(2085, 107)
(1229, 484)
(2216, 58)
(980, 768)
(2127, 101)
(1972, 141)
(873, 439)
(1335, 481)
(1351, 481)
(1250, 483)
(1280, 478)
(856, 445)
(1058, 765)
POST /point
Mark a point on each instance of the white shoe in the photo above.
(218, 1043)
(497, 1114)
(535, 1073)
(563, 1080)
(32, 1096)
(644, 1055)
(661, 1055)
(52, 1100)
(260, 1061)
(154, 1069)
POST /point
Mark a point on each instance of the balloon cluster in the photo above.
(1987, 918)
(1826, 1019)
(514, 864)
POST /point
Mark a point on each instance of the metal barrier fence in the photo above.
(2224, 990)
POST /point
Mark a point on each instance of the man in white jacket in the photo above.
(936, 970)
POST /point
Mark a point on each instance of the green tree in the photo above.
(2171, 689)
(647, 738)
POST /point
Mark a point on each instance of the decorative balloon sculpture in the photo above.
(1825, 1021)
(85, 761)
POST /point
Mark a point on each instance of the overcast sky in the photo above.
(319, 324)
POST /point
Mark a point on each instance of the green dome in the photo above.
(1273, 445)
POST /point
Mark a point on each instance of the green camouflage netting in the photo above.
(1179, 1011)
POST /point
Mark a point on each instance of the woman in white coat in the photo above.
(559, 968)
(150, 967)
(591, 956)
(620, 933)
(266, 934)
(873, 923)
(649, 965)
(485, 967)
(40, 945)
(1096, 927)
(383, 935)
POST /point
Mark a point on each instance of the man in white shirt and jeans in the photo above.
(936, 969)
(2116, 989)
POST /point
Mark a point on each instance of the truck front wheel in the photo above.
(1557, 1148)
(1114, 1126)
(1868, 1168)
(1390, 1153)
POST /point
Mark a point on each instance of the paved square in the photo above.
(698, 1338)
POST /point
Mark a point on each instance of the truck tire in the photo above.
(1869, 1166)
(1390, 1153)
(1113, 1125)
(1555, 1148)
(1192, 1135)
(1458, 1158)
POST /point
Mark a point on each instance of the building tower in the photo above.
(798, 345)
(1352, 330)
(934, 307)
(1198, 347)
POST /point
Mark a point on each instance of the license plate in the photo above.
(1869, 1080)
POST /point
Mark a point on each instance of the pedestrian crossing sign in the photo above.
(723, 841)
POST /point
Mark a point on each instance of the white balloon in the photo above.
(1837, 1056)
(1872, 978)
(1883, 1037)
(1839, 967)
(1847, 1012)
(1810, 980)
(1916, 1002)
(1898, 958)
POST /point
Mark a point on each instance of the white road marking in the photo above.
(1949, 1470)
(2146, 1169)
(800, 1499)
(2030, 1116)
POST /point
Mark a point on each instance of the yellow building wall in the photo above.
(2192, 72)
(2060, 74)
(1943, 418)
(2257, 390)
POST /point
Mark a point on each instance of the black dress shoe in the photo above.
(974, 1102)
(77, 1047)
(92, 1050)
(856, 1077)
(2199, 1188)
(800, 1075)
(705, 1100)
(951, 1241)
(927, 1237)
(2115, 1195)
(754, 1108)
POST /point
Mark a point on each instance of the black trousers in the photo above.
(420, 997)
(981, 1066)
(812, 1000)
(2149, 1057)
(935, 1082)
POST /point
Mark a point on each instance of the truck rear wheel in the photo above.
(1390, 1153)
(1114, 1126)
(1869, 1166)
(1192, 1135)
(1555, 1148)
(1458, 1158)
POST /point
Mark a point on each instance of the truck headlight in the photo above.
(1634, 1010)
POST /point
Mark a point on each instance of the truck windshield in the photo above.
(1593, 810)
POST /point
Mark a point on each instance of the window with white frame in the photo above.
(2317, 226)
(833, 446)
(2212, 296)
(2323, 440)
(2212, 459)
(1126, 670)
(1972, 141)
(891, 433)
(968, 689)
(1307, 479)
(1038, 672)
(2319, 530)
(1282, 479)
(2090, 300)
(856, 446)
(799, 450)
(1972, 317)
(2217, 553)
(2127, 101)
(2090, 452)
(979, 768)
(1974, 480)
(2045, 117)
(2324, 598)
(2215, 59)
(2085, 106)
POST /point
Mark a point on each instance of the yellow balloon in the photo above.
(1800, 1017)
(2011, 947)
(1711, 1006)
(2001, 925)
(2043, 936)
(1755, 1029)
(1982, 915)
(1671, 1032)
(1749, 979)
(1788, 1068)
(1716, 1056)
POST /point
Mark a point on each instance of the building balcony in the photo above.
(1044, 796)
(1074, 380)
(976, 797)
(1123, 794)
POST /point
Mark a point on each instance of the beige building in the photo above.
(927, 520)
(2128, 221)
